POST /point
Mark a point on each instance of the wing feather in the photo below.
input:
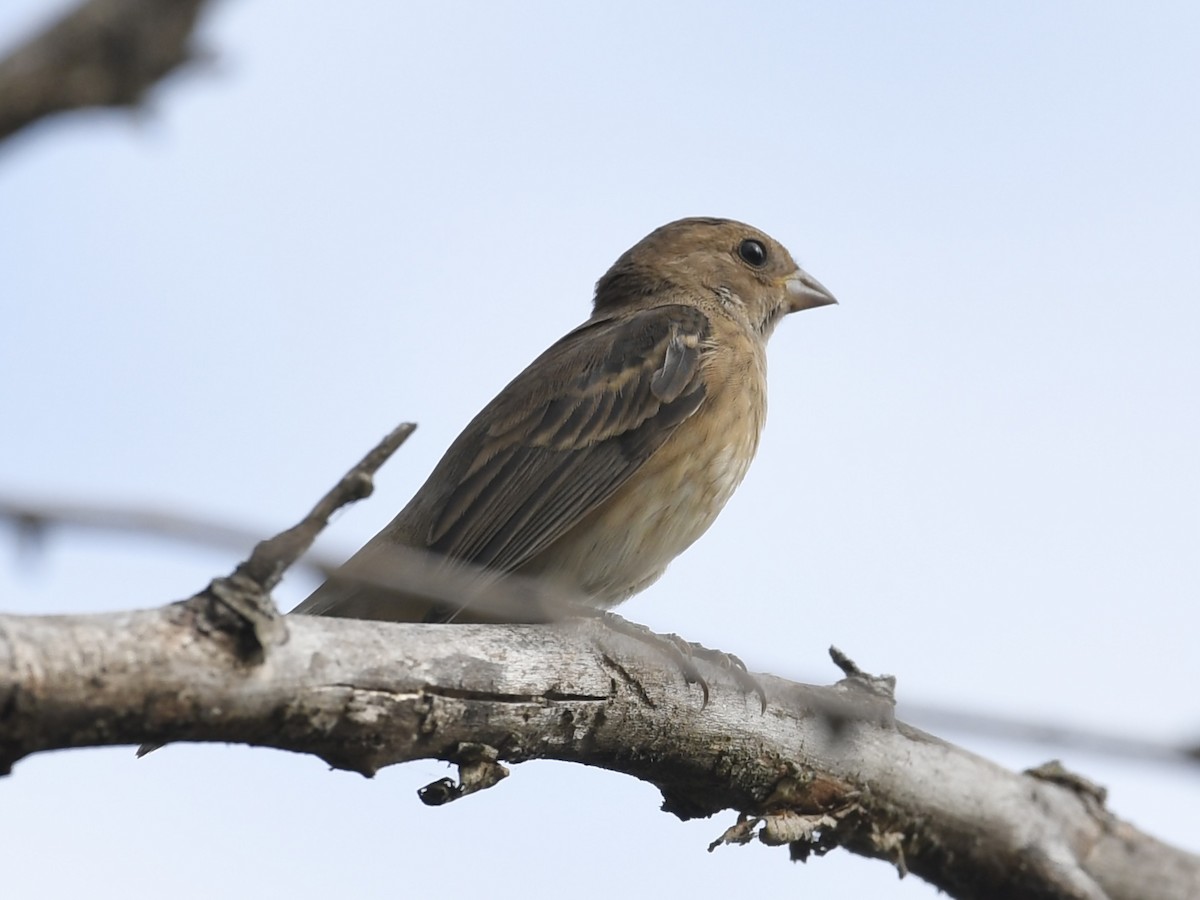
(565, 435)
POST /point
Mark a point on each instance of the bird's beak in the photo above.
(805, 292)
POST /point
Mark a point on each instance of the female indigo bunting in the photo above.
(618, 446)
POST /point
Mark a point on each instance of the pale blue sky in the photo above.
(979, 472)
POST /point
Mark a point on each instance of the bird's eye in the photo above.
(753, 252)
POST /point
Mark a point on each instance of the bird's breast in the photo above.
(628, 542)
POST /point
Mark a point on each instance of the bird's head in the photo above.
(749, 272)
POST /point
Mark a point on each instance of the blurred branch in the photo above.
(33, 520)
(103, 53)
(1062, 737)
(407, 570)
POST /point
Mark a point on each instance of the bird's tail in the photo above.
(368, 597)
(355, 600)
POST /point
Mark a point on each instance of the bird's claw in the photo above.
(684, 653)
(735, 667)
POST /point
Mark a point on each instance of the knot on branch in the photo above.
(478, 770)
(239, 608)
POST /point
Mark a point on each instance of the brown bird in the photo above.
(617, 447)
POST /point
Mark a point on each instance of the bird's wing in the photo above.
(552, 446)
(564, 435)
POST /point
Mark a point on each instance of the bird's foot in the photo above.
(685, 653)
(733, 665)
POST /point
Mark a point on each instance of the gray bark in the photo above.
(821, 767)
(105, 53)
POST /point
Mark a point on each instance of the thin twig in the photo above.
(272, 557)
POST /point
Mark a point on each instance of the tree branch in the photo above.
(35, 519)
(823, 767)
(103, 53)
(817, 768)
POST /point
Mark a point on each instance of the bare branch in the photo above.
(271, 558)
(103, 53)
(1031, 732)
(362, 695)
(813, 768)
(35, 518)
(411, 571)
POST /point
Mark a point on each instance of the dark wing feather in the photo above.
(564, 435)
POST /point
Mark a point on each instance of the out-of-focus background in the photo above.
(979, 474)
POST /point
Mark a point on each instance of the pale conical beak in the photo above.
(805, 292)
